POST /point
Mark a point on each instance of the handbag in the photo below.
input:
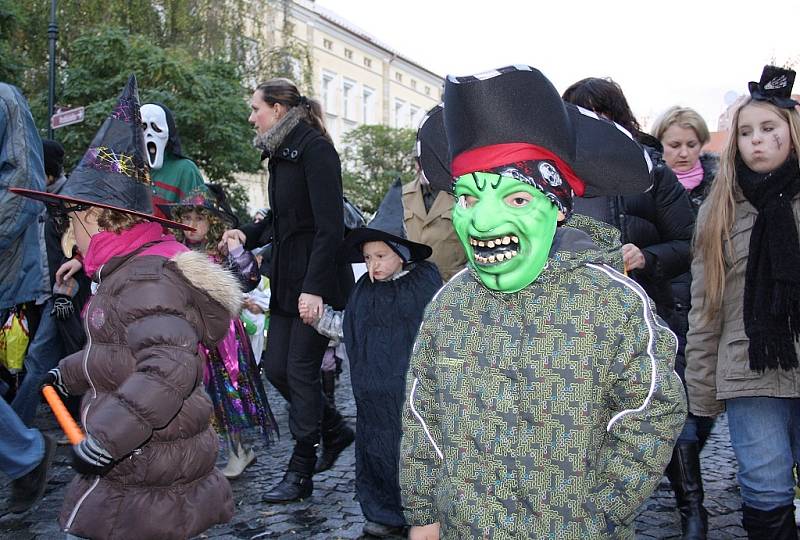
(14, 338)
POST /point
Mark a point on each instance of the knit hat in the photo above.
(431, 151)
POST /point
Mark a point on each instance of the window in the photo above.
(367, 62)
(367, 105)
(328, 97)
(328, 44)
(348, 54)
(399, 106)
(413, 84)
(348, 93)
(427, 90)
(398, 76)
(414, 116)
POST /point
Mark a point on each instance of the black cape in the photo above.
(380, 325)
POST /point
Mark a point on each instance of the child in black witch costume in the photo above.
(378, 327)
(231, 374)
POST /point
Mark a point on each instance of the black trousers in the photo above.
(292, 363)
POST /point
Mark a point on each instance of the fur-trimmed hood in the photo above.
(219, 286)
(270, 141)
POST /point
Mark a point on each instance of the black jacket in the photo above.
(659, 222)
(305, 195)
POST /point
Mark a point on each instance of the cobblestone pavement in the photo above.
(333, 513)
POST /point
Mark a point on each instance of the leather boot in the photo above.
(336, 436)
(777, 524)
(683, 472)
(329, 386)
(296, 483)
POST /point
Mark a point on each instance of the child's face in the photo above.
(200, 223)
(381, 260)
(763, 138)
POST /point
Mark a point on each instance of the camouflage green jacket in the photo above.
(547, 413)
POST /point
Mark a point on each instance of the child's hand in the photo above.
(232, 243)
(232, 233)
(67, 270)
(424, 532)
(310, 308)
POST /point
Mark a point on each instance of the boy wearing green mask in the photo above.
(541, 398)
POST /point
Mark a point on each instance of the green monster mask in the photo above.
(506, 228)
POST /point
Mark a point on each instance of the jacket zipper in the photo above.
(86, 410)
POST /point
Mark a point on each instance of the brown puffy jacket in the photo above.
(144, 399)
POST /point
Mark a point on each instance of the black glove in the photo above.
(53, 378)
(88, 457)
(63, 308)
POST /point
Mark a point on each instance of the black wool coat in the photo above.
(659, 222)
(305, 195)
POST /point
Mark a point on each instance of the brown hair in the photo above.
(604, 97)
(216, 227)
(285, 92)
(684, 117)
(114, 221)
(713, 233)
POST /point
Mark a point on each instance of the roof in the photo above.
(348, 26)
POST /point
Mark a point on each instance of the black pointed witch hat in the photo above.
(386, 226)
(431, 151)
(113, 173)
(515, 114)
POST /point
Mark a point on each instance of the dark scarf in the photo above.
(772, 279)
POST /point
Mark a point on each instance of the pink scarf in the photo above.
(691, 178)
(106, 245)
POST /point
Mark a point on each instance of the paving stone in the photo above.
(333, 512)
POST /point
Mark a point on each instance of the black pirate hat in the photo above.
(431, 151)
(386, 226)
(775, 87)
(113, 173)
(515, 115)
(209, 197)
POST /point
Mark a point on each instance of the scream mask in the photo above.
(156, 133)
(506, 228)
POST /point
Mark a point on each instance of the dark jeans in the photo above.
(292, 363)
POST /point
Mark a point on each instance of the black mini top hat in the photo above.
(431, 151)
(386, 226)
(514, 114)
(210, 197)
(113, 173)
(775, 87)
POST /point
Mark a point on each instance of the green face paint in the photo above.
(506, 228)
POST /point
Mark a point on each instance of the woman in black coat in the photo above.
(656, 229)
(305, 195)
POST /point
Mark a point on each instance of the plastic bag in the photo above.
(14, 338)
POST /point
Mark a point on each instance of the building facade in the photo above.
(357, 79)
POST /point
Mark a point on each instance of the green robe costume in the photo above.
(177, 178)
(546, 413)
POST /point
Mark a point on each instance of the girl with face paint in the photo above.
(742, 348)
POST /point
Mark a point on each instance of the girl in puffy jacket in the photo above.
(231, 374)
(742, 345)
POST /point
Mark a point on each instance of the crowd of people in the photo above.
(548, 318)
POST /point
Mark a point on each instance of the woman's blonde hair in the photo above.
(686, 118)
(713, 233)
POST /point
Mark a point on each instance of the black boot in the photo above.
(777, 524)
(296, 483)
(329, 386)
(683, 472)
(335, 438)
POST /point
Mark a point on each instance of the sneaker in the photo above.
(28, 489)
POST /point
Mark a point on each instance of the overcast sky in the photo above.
(677, 52)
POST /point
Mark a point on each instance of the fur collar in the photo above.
(270, 141)
(210, 278)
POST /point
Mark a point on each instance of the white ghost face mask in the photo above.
(156, 133)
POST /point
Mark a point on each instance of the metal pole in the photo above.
(52, 36)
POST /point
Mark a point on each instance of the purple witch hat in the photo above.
(113, 173)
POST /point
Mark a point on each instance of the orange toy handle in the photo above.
(71, 429)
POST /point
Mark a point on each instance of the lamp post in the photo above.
(52, 36)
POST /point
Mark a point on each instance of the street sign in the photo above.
(66, 117)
